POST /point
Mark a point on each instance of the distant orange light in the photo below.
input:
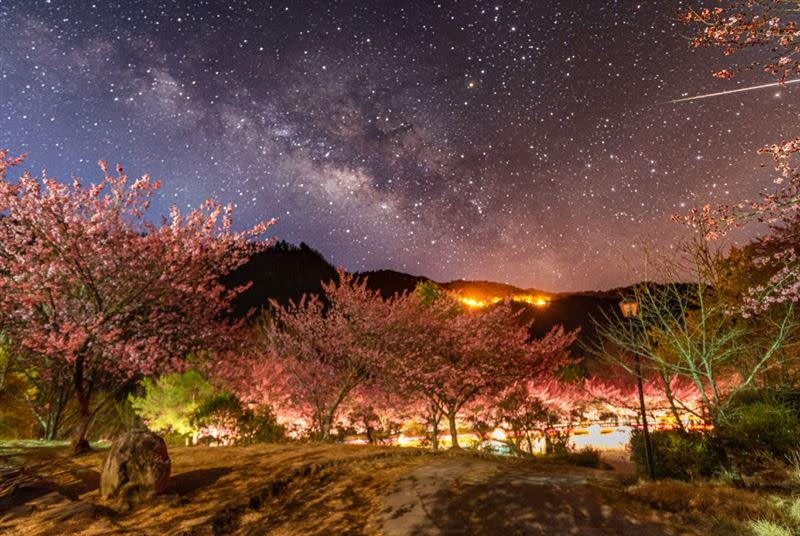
(538, 301)
(472, 302)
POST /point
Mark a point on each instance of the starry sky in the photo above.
(527, 142)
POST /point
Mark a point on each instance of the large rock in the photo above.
(137, 464)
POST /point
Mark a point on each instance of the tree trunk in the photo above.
(435, 436)
(50, 419)
(51, 428)
(80, 444)
(325, 428)
(451, 416)
(434, 418)
(672, 407)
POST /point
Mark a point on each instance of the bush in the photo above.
(260, 426)
(764, 428)
(223, 419)
(217, 419)
(167, 404)
(587, 457)
(676, 454)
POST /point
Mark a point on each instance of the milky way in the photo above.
(525, 142)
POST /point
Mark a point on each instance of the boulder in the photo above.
(137, 464)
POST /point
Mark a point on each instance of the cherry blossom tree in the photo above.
(739, 25)
(616, 393)
(546, 408)
(773, 25)
(450, 355)
(375, 411)
(87, 281)
(315, 353)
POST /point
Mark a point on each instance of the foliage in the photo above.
(676, 454)
(685, 332)
(223, 419)
(375, 411)
(86, 281)
(89, 284)
(16, 419)
(449, 356)
(169, 402)
(735, 274)
(773, 25)
(113, 414)
(615, 395)
(760, 428)
(28, 395)
(586, 457)
(259, 425)
(548, 408)
(48, 394)
(217, 419)
(314, 354)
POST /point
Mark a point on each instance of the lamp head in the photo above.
(629, 307)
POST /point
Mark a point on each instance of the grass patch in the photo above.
(704, 501)
(763, 527)
(35, 448)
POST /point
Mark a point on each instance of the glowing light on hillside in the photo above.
(477, 303)
(538, 301)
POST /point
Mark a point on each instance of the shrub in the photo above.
(218, 419)
(224, 420)
(260, 426)
(676, 454)
(168, 403)
(587, 457)
(763, 427)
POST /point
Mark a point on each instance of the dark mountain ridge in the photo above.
(285, 272)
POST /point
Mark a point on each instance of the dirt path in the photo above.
(290, 489)
(455, 497)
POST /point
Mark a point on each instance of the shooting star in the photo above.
(740, 90)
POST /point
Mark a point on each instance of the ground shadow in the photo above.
(519, 506)
(191, 481)
(25, 494)
(85, 480)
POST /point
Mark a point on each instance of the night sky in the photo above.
(524, 142)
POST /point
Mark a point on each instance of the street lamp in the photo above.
(630, 310)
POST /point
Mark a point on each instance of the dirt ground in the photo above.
(310, 489)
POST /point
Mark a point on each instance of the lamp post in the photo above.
(630, 310)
